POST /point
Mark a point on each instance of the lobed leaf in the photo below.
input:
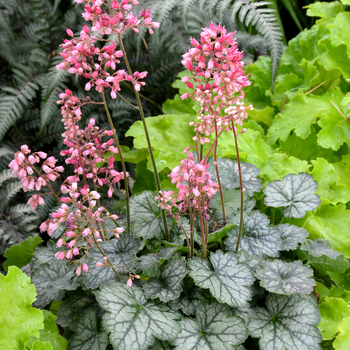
(292, 235)
(228, 280)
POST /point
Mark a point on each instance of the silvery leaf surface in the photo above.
(146, 216)
(133, 322)
(228, 280)
(288, 322)
(72, 307)
(177, 236)
(44, 254)
(296, 193)
(292, 235)
(51, 281)
(87, 335)
(167, 284)
(213, 329)
(228, 170)
(320, 247)
(120, 251)
(285, 278)
(258, 238)
(252, 260)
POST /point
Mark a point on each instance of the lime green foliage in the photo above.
(50, 333)
(20, 254)
(39, 345)
(343, 339)
(18, 320)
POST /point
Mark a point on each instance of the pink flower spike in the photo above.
(88, 86)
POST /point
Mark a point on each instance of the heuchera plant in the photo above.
(241, 286)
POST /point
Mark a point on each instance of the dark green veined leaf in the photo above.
(285, 278)
(295, 192)
(120, 251)
(213, 329)
(228, 170)
(146, 216)
(288, 322)
(177, 235)
(133, 322)
(72, 307)
(51, 281)
(292, 235)
(258, 238)
(87, 335)
(44, 255)
(21, 254)
(161, 345)
(228, 280)
(167, 284)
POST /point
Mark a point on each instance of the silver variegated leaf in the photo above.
(120, 251)
(228, 170)
(292, 235)
(296, 193)
(44, 255)
(51, 281)
(228, 280)
(133, 322)
(258, 238)
(86, 334)
(177, 236)
(320, 247)
(146, 216)
(285, 278)
(288, 322)
(213, 329)
(167, 285)
(252, 260)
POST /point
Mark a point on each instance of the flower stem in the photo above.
(187, 240)
(128, 224)
(204, 244)
(156, 176)
(241, 187)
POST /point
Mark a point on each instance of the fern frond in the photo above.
(8, 192)
(6, 175)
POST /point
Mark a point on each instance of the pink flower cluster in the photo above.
(217, 81)
(31, 177)
(194, 185)
(82, 58)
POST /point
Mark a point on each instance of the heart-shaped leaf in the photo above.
(213, 329)
(288, 322)
(285, 278)
(296, 193)
(320, 247)
(133, 322)
(258, 238)
(228, 280)
(120, 251)
(146, 216)
(292, 235)
(87, 335)
(44, 255)
(228, 170)
(167, 285)
(51, 281)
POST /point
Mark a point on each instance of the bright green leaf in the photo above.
(324, 10)
(18, 319)
(39, 345)
(343, 339)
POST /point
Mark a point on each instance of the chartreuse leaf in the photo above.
(167, 284)
(327, 178)
(178, 106)
(228, 171)
(343, 339)
(292, 235)
(333, 311)
(120, 251)
(324, 9)
(329, 222)
(21, 254)
(87, 334)
(72, 307)
(39, 345)
(258, 238)
(170, 135)
(213, 329)
(132, 321)
(342, 168)
(285, 278)
(279, 165)
(51, 281)
(288, 322)
(50, 333)
(228, 280)
(18, 319)
(146, 216)
(296, 193)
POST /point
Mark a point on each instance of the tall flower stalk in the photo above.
(217, 80)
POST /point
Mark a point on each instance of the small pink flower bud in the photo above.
(70, 32)
(129, 282)
(85, 268)
(99, 264)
